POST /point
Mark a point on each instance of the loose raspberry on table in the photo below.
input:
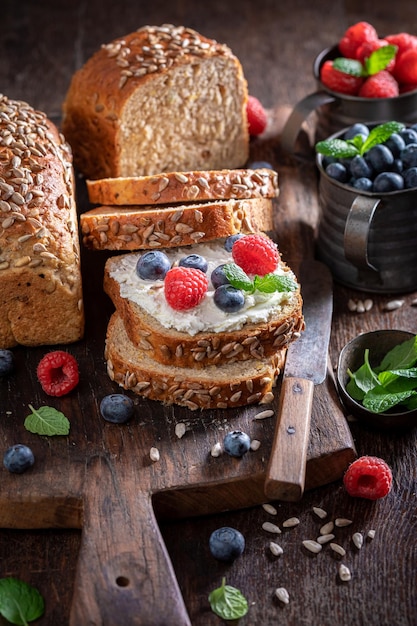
(339, 81)
(185, 287)
(257, 116)
(406, 67)
(256, 254)
(368, 477)
(355, 36)
(58, 373)
(380, 85)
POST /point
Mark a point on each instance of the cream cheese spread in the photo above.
(206, 317)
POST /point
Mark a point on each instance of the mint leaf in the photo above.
(47, 421)
(337, 148)
(379, 59)
(272, 282)
(380, 400)
(348, 66)
(19, 602)
(379, 134)
(228, 602)
(402, 356)
(238, 278)
(363, 380)
(341, 149)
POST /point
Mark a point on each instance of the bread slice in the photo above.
(171, 338)
(41, 299)
(214, 387)
(185, 187)
(149, 227)
(160, 99)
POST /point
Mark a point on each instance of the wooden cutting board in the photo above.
(101, 478)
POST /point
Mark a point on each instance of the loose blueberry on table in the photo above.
(6, 362)
(116, 408)
(226, 544)
(236, 443)
(18, 458)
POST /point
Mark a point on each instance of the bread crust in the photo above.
(168, 346)
(214, 387)
(40, 276)
(112, 110)
(185, 187)
(149, 227)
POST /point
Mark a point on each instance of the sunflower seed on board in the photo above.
(282, 595)
(271, 528)
(216, 450)
(344, 573)
(180, 429)
(341, 522)
(325, 538)
(338, 549)
(392, 305)
(154, 454)
(269, 509)
(312, 546)
(321, 513)
(275, 549)
(357, 539)
(370, 534)
(327, 528)
(291, 522)
(263, 414)
(255, 444)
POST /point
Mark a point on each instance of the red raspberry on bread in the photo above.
(368, 477)
(256, 254)
(380, 85)
(257, 116)
(355, 36)
(58, 373)
(339, 81)
(185, 287)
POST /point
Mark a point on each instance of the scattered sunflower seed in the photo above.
(371, 534)
(344, 573)
(154, 454)
(360, 306)
(255, 444)
(216, 450)
(291, 522)
(325, 538)
(414, 302)
(340, 522)
(392, 305)
(327, 528)
(336, 548)
(269, 509)
(180, 429)
(275, 549)
(357, 539)
(263, 414)
(312, 546)
(321, 513)
(282, 595)
(271, 528)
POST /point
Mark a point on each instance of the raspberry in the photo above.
(403, 41)
(339, 81)
(185, 287)
(256, 254)
(406, 67)
(368, 477)
(57, 372)
(380, 85)
(365, 50)
(257, 117)
(355, 36)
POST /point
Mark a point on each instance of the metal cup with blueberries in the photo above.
(368, 206)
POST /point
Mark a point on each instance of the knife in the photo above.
(305, 366)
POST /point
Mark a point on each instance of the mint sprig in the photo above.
(377, 61)
(342, 149)
(269, 283)
(47, 421)
(228, 602)
(20, 603)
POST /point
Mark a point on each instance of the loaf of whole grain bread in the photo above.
(184, 187)
(148, 226)
(160, 99)
(40, 279)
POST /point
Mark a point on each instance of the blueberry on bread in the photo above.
(40, 279)
(160, 99)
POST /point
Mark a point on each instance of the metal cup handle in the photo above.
(356, 234)
(299, 114)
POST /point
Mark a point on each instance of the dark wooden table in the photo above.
(41, 44)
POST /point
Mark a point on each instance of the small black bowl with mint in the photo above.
(367, 231)
(377, 378)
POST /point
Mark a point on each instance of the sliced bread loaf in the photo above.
(160, 99)
(185, 187)
(149, 227)
(214, 387)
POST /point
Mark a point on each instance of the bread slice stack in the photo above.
(203, 358)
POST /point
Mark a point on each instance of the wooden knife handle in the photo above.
(124, 574)
(285, 476)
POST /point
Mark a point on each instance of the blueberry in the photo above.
(409, 155)
(380, 158)
(409, 135)
(410, 177)
(6, 362)
(397, 166)
(257, 165)
(326, 160)
(360, 168)
(388, 181)
(218, 277)
(18, 458)
(116, 408)
(395, 143)
(195, 261)
(228, 244)
(337, 171)
(236, 443)
(228, 298)
(362, 184)
(153, 265)
(356, 129)
(226, 544)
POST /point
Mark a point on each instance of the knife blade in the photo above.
(305, 366)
